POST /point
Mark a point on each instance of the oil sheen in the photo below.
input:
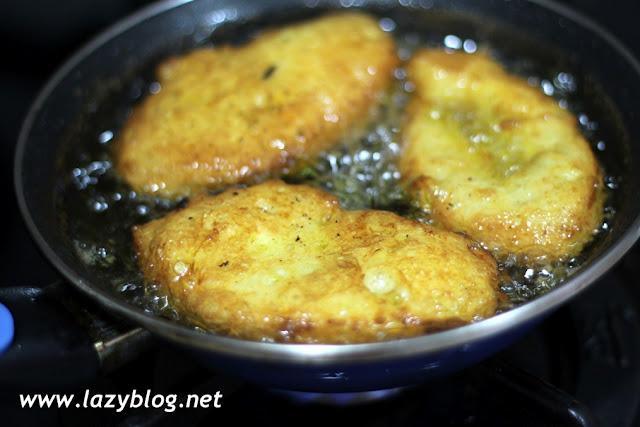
(361, 171)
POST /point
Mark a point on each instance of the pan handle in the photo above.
(6, 328)
(62, 340)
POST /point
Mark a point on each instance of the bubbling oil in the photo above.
(361, 171)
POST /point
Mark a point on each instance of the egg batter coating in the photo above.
(495, 158)
(280, 262)
(227, 114)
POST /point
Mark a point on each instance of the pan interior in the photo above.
(91, 212)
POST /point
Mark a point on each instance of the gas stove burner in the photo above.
(339, 399)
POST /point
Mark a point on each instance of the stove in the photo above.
(581, 367)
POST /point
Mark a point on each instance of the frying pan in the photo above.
(611, 79)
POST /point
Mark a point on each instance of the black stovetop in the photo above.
(580, 367)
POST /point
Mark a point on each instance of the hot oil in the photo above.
(361, 171)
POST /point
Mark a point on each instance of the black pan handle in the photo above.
(62, 340)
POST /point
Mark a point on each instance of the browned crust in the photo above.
(220, 118)
(309, 281)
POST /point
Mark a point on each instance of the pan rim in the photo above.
(315, 354)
